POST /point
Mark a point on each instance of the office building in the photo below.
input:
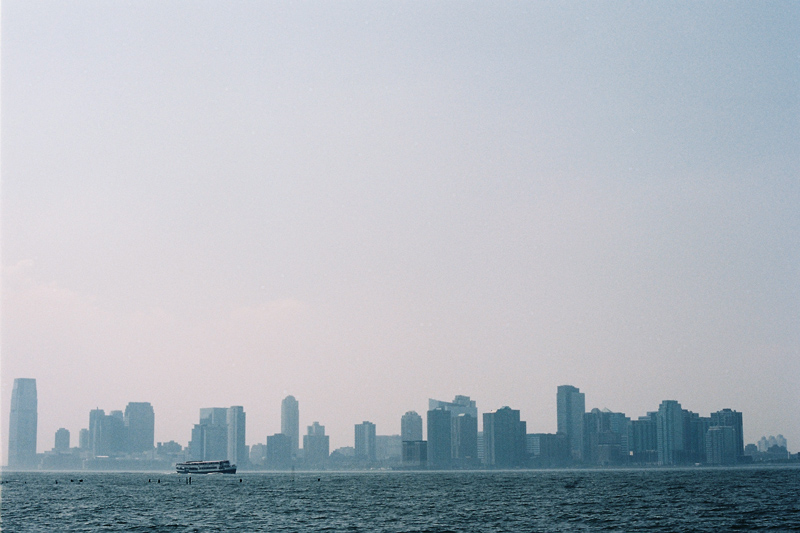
(731, 418)
(411, 427)
(365, 442)
(415, 453)
(439, 438)
(316, 446)
(644, 440)
(503, 439)
(721, 445)
(23, 424)
(61, 440)
(290, 421)
(670, 433)
(464, 441)
(210, 436)
(570, 408)
(459, 405)
(237, 449)
(140, 426)
(279, 452)
(83, 439)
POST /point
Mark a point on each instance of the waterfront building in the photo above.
(459, 405)
(279, 452)
(644, 439)
(439, 438)
(316, 446)
(670, 433)
(721, 445)
(210, 436)
(83, 439)
(694, 436)
(464, 441)
(731, 418)
(365, 442)
(411, 427)
(140, 424)
(547, 450)
(504, 439)
(290, 421)
(570, 408)
(388, 448)
(61, 440)
(236, 424)
(415, 453)
(23, 424)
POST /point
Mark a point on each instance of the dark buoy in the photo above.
(240, 480)
(159, 481)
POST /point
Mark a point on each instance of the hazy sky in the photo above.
(367, 204)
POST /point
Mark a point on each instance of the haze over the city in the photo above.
(369, 204)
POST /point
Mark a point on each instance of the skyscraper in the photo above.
(61, 440)
(571, 406)
(365, 441)
(237, 449)
(210, 437)
(23, 424)
(731, 418)
(669, 433)
(464, 440)
(411, 427)
(459, 405)
(290, 421)
(316, 446)
(439, 438)
(504, 438)
(140, 425)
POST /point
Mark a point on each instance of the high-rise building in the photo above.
(316, 446)
(439, 438)
(23, 424)
(61, 440)
(279, 451)
(140, 425)
(459, 405)
(290, 421)
(411, 427)
(83, 439)
(731, 418)
(503, 438)
(365, 442)
(571, 406)
(210, 437)
(644, 439)
(237, 449)
(605, 437)
(670, 433)
(721, 445)
(98, 436)
(464, 440)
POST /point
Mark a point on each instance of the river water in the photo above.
(745, 499)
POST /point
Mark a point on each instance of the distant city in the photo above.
(668, 436)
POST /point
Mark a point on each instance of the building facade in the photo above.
(365, 442)
(411, 427)
(23, 424)
(290, 421)
(570, 408)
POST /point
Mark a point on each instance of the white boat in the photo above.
(206, 467)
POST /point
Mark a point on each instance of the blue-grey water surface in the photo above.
(747, 499)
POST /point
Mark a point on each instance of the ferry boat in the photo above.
(206, 467)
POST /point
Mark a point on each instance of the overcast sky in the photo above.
(369, 204)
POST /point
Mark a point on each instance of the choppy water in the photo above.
(750, 499)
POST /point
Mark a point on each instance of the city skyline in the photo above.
(370, 204)
(449, 440)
